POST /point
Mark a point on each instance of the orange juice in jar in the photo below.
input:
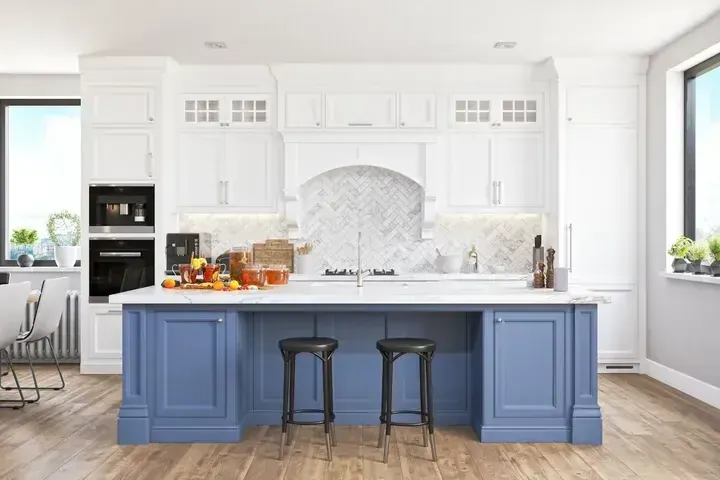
(277, 274)
(240, 257)
(253, 274)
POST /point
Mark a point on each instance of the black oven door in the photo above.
(120, 265)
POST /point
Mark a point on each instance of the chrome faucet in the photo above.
(360, 274)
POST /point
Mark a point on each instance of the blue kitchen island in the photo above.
(516, 364)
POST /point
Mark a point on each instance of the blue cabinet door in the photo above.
(191, 364)
(528, 366)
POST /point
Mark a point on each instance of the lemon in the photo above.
(234, 285)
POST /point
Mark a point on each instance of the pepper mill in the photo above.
(539, 279)
(550, 274)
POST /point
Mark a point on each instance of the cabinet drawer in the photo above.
(358, 110)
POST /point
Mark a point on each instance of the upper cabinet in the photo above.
(352, 110)
(303, 110)
(121, 105)
(602, 105)
(226, 111)
(122, 154)
(417, 110)
(497, 111)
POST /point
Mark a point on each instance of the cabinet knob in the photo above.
(402, 124)
(498, 320)
(219, 320)
(151, 119)
(569, 119)
(317, 124)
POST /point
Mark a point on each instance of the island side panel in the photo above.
(134, 414)
(586, 415)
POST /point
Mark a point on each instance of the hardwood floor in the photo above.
(651, 432)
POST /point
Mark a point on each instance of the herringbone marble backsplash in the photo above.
(387, 207)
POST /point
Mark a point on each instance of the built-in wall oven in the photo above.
(119, 265)
(122, 209)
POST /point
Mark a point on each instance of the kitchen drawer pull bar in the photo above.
(226, 192)
(360, 124)
(499, 183)
(114, 311)
(570, 247)
(120, 254)
(494, 192)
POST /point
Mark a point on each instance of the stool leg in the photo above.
(326, 404)
(286, 394)
(431, 412)
(388, 406)
(423, 399)
(291, 411)
(383, 407)
(333, 436)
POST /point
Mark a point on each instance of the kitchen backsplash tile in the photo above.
(387, 207)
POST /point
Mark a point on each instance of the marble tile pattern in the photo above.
(387, 207)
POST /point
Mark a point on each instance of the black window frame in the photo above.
(11, 102)
(689, 198)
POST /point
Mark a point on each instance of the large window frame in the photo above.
(10, 102)
(689, 197)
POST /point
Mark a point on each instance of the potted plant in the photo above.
(24, 237)
(697, 252)
(64, 230)
(679, 252)
(714, 247)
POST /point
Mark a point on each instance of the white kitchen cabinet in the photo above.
(618, 335)
(497, 111)
(122, 154)
(226, 111)
(469, 176)
(101, 350)
(602, 105)
(417, 110)
(201, 169)
(121, 105)
(249, 171)
(248, 111)
(202, 110)
(360, 110)
(303, 110)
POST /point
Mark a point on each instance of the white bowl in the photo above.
(449, 263)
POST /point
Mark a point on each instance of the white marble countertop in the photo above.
(347, 293)
(40, 269)
(414, 277)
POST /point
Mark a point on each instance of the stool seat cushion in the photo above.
(406, 345)
(308, 344)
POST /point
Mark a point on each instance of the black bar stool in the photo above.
(322, 348)
(425, 349)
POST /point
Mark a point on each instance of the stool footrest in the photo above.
(383, 418)
(309, 422)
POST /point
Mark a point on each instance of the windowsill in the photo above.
(691, 277)
(40, 269)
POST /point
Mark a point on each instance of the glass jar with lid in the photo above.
(277, 274)
(240, 257)
(253, 274)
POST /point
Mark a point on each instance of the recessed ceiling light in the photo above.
(505, 45)
(216, 45)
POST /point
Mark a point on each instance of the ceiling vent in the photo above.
(215, 45)
(505, 45)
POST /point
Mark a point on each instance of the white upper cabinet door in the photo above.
(471, 111)
(469, 184)
(248, 111)
(120, 154)
(517, 169)
(303, 110)
(122, 105)
(521, 111)
(602, 105)
(602, 164)
(201, 110)
(417, 110)
(249, 171)
(357, 110)
(200, 169)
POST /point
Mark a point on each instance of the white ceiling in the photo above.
(48, 35)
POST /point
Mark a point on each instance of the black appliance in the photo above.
(122, 209)
(379, 272)
(181, 247)
(120, 265)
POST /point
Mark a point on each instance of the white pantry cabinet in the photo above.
(226, 111)
(102, 339)
(603, 105)
(496, 111)
(121, 105)
(122, 154)
(494, 172)
(225, 171)
(303, 110)
(417, 110)
(358, 110)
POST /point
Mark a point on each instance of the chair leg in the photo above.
(383, 407)
(286, 394)
(423, 399)
(333, 436)
(431, 412)
(32, 371)
(57, 367)
(326, 404)
(388, 407)
(291, 411)
(12, 403)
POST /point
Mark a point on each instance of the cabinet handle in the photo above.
(494, 195)
(498, 320)
(569, 119)
(499, 184)
(226, 192)
(219, 320)
(114, 311)
(151, 119)
(317, 124)
(150, 164)
(570, 247)
(402, 124)
(221, 196)
(359, 124)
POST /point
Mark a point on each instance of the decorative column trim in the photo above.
(586, 416)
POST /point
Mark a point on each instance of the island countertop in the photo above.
(395, 293)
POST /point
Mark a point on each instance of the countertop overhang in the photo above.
(395, 293)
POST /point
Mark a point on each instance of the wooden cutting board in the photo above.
(275, 252)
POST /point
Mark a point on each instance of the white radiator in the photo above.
(65, 340)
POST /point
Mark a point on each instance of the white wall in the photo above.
(28, 86)
(683, 318)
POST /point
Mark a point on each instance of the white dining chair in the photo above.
(13, 299)
(48, 314)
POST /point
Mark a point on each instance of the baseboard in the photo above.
(101, 369)
(496, 434)
(685, 383)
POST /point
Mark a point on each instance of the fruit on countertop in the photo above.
(234, 285)
(168, 283)
(218, 285)
(198, 263)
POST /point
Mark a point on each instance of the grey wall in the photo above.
(683, 318)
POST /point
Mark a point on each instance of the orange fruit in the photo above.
(234, 285)
(168, 283)
(218, 285)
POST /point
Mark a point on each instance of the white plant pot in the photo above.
(305, 264)
(65, 256)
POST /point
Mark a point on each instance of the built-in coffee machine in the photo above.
(181, 247)
(122, 209)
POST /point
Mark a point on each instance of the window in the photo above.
(702, 149)
(39, 171)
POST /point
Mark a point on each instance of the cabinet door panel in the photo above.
(602, 105)
(357, 110)
(303, 110)
(517, 167)
(202, 110)
(191, 364)
(518, 111)
(248, 111)
(618, 327)
(200, 169)
(122, 105)
(469, 171)
(105, 333)
(417, 110)
(122, 154)
(602, 204)
(249, 170)
(529, 364)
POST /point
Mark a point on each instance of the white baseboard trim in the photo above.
(101, 369)
(685, 383)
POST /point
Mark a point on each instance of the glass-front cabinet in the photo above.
(226, 111)
(497, 111)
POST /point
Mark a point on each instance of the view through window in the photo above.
(702, 161)
(41, 145)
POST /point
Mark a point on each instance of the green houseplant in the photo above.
(714, 247)
(679, 252)
(64, 230)
(697, 252)
(24, 237)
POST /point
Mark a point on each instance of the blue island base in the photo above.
(206, 373)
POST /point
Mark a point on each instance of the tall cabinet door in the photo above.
(517, 169)
(249, 170)
(469, 184)
(199, 169)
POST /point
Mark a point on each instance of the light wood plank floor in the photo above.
(651, 432)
